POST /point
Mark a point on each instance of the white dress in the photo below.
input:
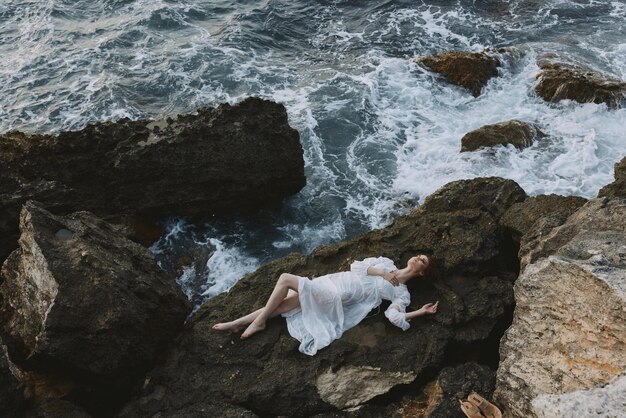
(334, 303)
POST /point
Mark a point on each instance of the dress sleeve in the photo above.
(360, 267)
(397, 310)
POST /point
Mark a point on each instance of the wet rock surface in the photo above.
(83, 310)
(618, 187)
(521, 217)
(194, 164)
(267, 375)
(517, 133)
(559, 81)
(569, 329)
(471, 70)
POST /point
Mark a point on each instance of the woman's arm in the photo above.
(429, 308)
(390, 277)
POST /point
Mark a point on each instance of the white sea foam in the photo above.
(226, 266)
(379, 132)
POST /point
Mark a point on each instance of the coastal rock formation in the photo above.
(569, 328)
(558, 81)
(552, 232)
(267, 375)
(11, 396)
(441, 397)
(471, 70)
(608, 400)
(221, 159)
(520, 217)
(618, 187)
(517, 133)
(84, 307)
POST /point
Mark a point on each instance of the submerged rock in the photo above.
(84, 307)
(569, 328)
(618, 187)
(520, 217)
(226, 158)
(517, 133)
(471, 70)
(558, 81)
(267, 375)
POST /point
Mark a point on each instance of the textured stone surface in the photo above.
(267, 375)
(11, 391)
(608, 401)
(202, 164)
(81, 302)
(57, 408)
(520, 217)
(551, 232)
(471, 70)
(569, 327)
(452, 384)
(351, 386)
(618, 187)
(517, 133)
(558, 81)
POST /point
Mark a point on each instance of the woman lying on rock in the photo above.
(319, 311)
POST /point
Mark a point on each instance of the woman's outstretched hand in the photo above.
(430, 308)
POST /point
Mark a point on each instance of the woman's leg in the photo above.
(289, 303)
(285, 282)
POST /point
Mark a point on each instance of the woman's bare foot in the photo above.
(232, 326)
(252, 329)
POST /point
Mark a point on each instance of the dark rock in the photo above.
(221, 159)
(269, 376)
(471, 70)
(558, 81)
(618, 187)
(441, 397)
(517, 133)
(492, 194)
(11, 391)
(520, 217)
(80, 303)
(57, 408)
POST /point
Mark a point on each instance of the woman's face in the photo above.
(418, 264)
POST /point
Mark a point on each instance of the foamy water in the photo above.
(379, 132)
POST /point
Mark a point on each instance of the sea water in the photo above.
(379, 132)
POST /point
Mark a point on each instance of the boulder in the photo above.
(471, 70)
(553, 231)
(85, 307)
(267, 375)
(520, 217)
(618, 187)
(558, 81)
(221, 159)
(517, 133)
(11, 390)
(569, 329)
